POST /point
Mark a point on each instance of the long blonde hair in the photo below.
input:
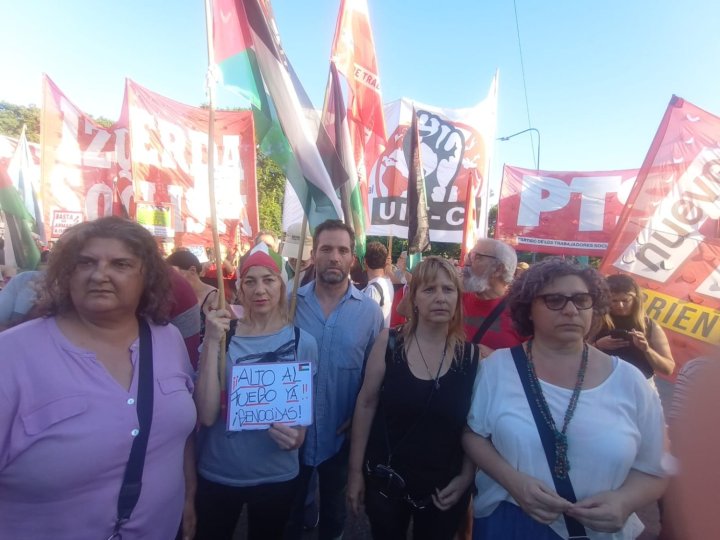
(426, 272)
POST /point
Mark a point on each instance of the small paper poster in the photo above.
(264, 394)
(63, 220)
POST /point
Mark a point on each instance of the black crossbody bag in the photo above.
(132, 480)
(563, 486)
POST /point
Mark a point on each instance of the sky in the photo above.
(599, 75)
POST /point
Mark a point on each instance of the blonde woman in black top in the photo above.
(406, 458)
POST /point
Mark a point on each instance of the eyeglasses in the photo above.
(556, 301)
(393, 486)
(479, 256)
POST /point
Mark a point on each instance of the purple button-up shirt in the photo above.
(66, 428)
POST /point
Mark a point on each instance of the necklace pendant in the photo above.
(437, 384)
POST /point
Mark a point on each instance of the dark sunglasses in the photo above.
(556, 301)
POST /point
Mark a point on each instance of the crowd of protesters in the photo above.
(489, 399)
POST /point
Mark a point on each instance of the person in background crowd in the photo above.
(209, 272)
(228, 266)
(630, 334)
(379, 287)
(268, 238)
(399, 274)
(290, 248)
(605, 424)
(345, 324)
(18, 298)
(410, 416)
(185, 314)
(489, 270)
(254, 468)
(522, 267)
(188, 265)
(69, 390)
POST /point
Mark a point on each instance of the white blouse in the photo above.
(617, 426)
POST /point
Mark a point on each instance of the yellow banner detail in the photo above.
(683, 317)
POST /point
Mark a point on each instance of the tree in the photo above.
(492, 221)
(13, 117)
(271, 192)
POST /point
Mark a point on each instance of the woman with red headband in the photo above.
(254, 468)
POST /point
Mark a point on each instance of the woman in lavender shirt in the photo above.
(69, 390)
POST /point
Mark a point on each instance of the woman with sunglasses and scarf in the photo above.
(602, 423)
(254, 468)
(406, 458)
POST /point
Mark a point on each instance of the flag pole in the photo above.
(211, 176)
(298, 262)
(43, 157)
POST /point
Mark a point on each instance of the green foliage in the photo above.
(104, 122)
(492, 221)
(442, 249)
(12, 118)
(271, 192)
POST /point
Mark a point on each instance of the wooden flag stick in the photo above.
(298, 263)
(211, 179)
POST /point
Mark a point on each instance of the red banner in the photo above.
(169, 162)
(84, 164)
(668, 234)
(566, 213)
(155, 154)
(353, 51)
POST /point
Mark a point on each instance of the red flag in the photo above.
(353, 52)
(667, 236)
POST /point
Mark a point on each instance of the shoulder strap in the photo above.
(489, 320)
(379, 289)
(231, 332)
(390, 349)
(202, 306)
(132, 480)
(297, 337)
(563, 486)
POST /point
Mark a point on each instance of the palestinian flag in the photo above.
(336, 148)
(20, 246)
(248, 52)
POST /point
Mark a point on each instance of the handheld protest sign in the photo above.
(268, 393)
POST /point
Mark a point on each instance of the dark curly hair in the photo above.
(525, 288)
(156, 299)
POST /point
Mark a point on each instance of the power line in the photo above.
(522, 69)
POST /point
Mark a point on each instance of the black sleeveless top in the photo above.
(631, 353)
(424, 423)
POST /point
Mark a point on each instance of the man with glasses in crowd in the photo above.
(489, 270)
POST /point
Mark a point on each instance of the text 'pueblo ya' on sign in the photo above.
(265, 394)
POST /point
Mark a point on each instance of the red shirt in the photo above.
(501, 334)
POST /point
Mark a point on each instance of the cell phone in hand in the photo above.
(619, 334)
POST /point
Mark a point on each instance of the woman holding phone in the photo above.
(628, 333)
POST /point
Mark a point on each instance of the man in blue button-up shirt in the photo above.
(345, 324)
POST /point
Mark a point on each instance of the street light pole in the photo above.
(537, 162)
